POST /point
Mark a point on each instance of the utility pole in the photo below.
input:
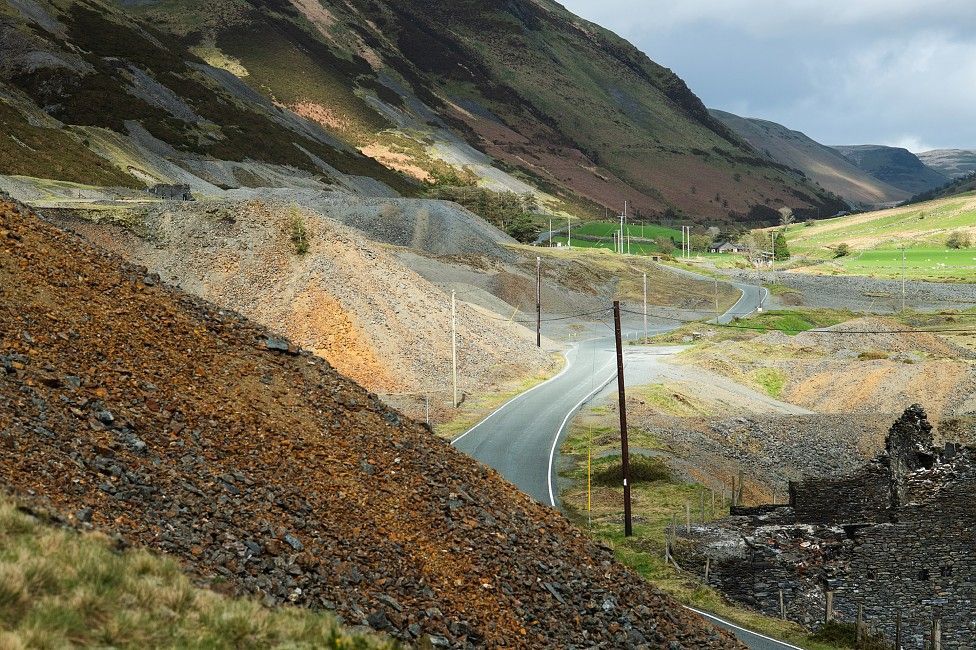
(538, 302)
(622, 397)
(716, 297)
(645, 307)
(903, 278)
(569, 232)
(620, 235)
(454, 343)
(550, 232)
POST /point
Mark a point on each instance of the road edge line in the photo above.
(559, 433)
(520, 395)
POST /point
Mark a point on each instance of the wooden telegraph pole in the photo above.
(622, 397)
(538, 302)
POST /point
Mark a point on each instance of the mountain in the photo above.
(953, 163)
(373, 97)
(895, 166)
(821, 164)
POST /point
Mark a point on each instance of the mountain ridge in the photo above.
(520, 96)
(822, 164)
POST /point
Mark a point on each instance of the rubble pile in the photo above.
(138, 410)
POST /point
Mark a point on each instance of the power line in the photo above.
(816, 331)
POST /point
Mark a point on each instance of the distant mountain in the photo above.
(954, 163)
(518, 95)
(821, 164)
(961, 185)
(895, 166)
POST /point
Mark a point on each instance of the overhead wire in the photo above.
(766, 328)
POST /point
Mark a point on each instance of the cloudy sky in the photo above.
(898, 72)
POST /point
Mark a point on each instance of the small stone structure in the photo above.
(897, 537)
(171, 192)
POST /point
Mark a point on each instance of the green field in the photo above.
(635, 248)
(875, 240)
(609, 228)
(942, 264)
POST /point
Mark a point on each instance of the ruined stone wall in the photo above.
(862, 497)
(898, 536)
(923, 565)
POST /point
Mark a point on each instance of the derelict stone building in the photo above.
(898, 538)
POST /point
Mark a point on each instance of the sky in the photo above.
(893, 72)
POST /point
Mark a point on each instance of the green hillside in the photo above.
(937, 237)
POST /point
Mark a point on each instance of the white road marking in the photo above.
(555, 441)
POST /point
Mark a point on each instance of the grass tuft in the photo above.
(59, 588)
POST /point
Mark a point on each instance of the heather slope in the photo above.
(520, 96)
(183, 428)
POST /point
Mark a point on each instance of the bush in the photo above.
(643, 469)
(299, 233)
(665, 245)
(842, 250)
(958, 240)
(780, 250)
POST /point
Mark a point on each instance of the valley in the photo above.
(307, 336)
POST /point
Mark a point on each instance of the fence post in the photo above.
(898, 630)
(708, 566)
(702, 495)
(859, 625)
(687, 516)
(829, 610)
(782, 605)
(936, 633)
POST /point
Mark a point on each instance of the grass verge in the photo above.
(656, 502)
(60, 588)
(476, 408)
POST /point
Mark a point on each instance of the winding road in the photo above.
(521, 439)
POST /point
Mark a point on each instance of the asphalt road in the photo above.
(521, 439)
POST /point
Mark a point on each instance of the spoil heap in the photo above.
(149, 413)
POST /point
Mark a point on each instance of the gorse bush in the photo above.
(643, 469)
(958, 240)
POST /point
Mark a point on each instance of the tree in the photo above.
(786, 217)
(522, 228)
(665, 245)
(700, 242)
(780, 250)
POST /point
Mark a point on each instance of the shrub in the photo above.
(299, 233)
(842, 250)
(643, 469)
(958, 240)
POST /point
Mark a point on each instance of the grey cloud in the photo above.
(853, 71)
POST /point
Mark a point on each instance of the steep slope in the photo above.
(519, 95)
(346, 299)
(952, 163)
(184, 428)
(821, 164)
(895, 166)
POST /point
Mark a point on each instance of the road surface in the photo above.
(521, 439)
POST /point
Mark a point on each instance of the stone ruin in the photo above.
(171, 192)
(896, 539)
